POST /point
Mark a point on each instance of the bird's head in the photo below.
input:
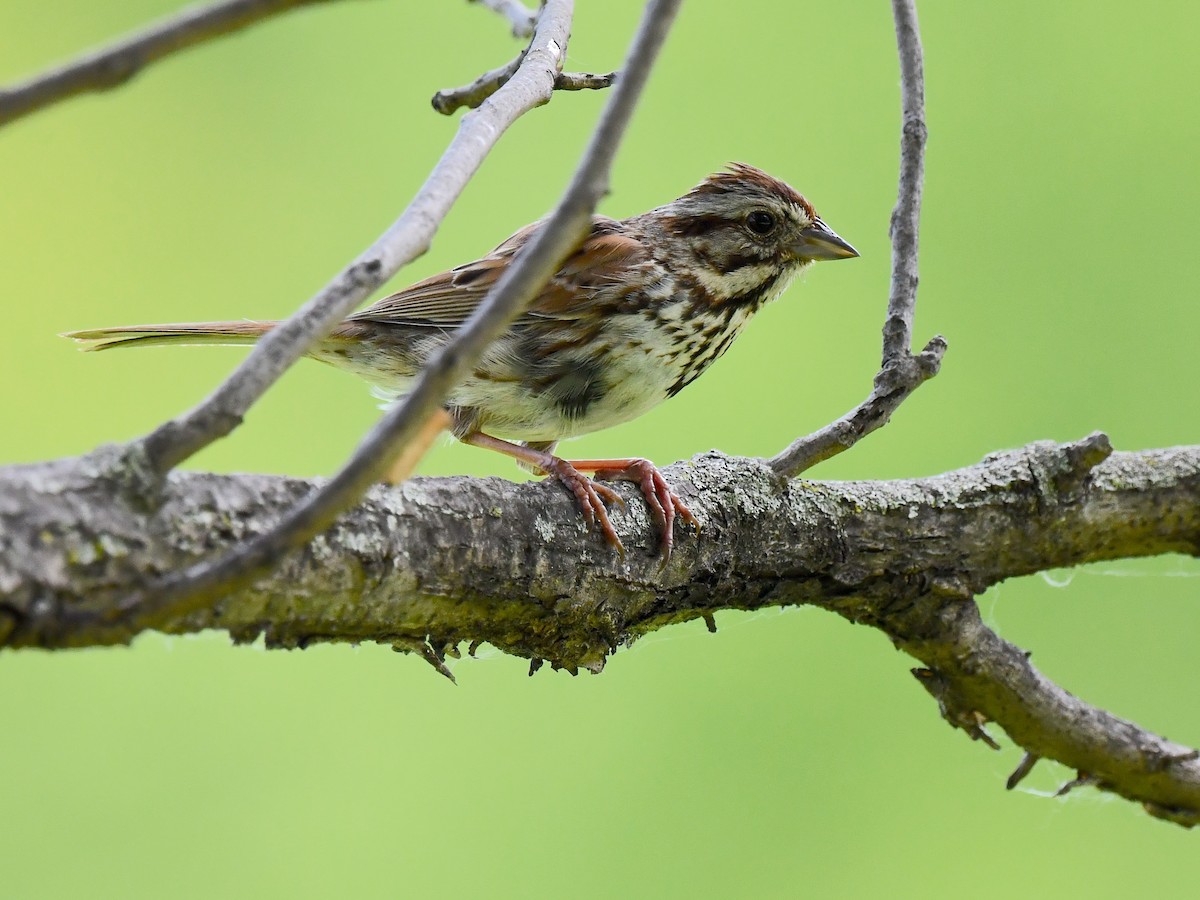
(747, 230)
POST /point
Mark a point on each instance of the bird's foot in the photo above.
(590, 496)
(665, 505)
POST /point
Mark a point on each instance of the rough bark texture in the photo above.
(487, 560)
(434, 563)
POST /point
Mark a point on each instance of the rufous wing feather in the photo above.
(448, 299)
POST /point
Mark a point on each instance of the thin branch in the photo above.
(584, 81)
(520, 16)
(450, 100)
(980, 677)
(906, 218)
(470, 96)
(893, 385)
(115, 64)
(435, 562)
(900, 372)
(407, 238)
(562, 232)
(1024, 767)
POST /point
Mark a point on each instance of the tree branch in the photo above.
(448, 100)
(115, 64)
(436, 562)
(906, 217)
(584, 81)
(900, 372)
(978, 677)
(407, 238)
(451, 100)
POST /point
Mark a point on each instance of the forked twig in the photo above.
(901, 372)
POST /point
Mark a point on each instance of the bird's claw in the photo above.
(665, 505)
(591, 498)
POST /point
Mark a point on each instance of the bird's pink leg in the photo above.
(590, 496)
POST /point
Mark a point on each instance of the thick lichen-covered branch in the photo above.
(435, 564)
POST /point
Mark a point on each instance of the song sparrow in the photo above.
(633, 316)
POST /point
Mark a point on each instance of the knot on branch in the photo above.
(930, 358)
(130, 471)
(365, 275)
(1024, 767)
(1188, 818)
(116, 70)
(914, 129)
(905, 372)
(1083, 456)
(1061, 471)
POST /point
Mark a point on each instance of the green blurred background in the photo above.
(788, 754)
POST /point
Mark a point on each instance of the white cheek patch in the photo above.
(739, 281)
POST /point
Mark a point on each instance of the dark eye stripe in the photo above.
(695, 226)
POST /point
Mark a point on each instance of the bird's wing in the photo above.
(446, 300)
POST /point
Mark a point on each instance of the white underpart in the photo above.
(638, 380)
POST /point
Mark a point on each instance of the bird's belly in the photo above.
(546, 384)
(582, 395)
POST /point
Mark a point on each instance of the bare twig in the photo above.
(437, 561)
(451, 100)
(894, 383)
(520, 16)
(533, 267)
(901, 372)
(112, 66)
(406, 239)
(906, 218)
(1024, 767)
(583, 81)
(991, 679)
(471, 95)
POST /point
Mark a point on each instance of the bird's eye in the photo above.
(760, 222)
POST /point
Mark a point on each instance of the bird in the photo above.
(634, 315)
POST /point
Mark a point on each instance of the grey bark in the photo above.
(433, 564)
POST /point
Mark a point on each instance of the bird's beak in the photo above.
(819, 241)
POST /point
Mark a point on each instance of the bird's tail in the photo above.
(184, 333)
